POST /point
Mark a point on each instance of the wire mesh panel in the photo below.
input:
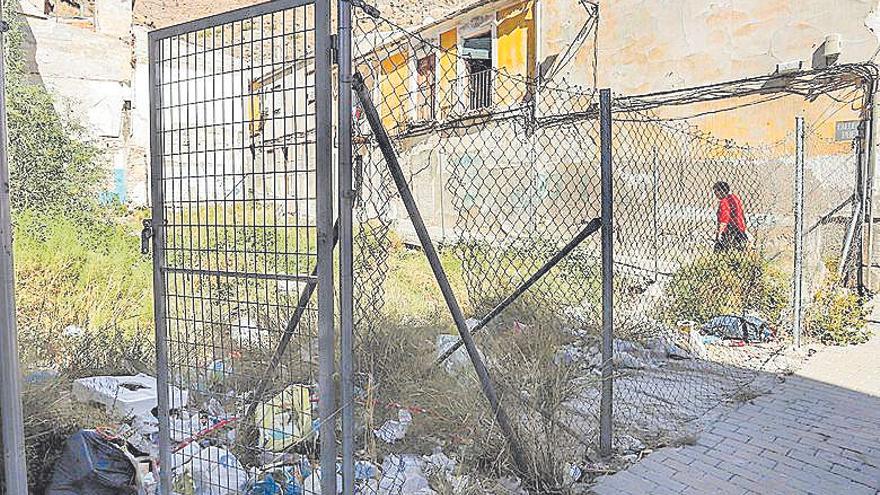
(503, 163)
(673, 274)
(832, 238)
(237, 202)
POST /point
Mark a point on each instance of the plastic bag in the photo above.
(286, 419)
(92, 465)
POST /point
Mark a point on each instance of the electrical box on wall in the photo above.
(828, 52)
(831, 46)
(790, 66)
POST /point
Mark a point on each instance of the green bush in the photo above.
(76, 265)
(52, 167)
(837, 315)
(726, 283)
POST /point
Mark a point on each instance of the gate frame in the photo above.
(324, 222)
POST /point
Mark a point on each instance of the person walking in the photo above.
(731, 233)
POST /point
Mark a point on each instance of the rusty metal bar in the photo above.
(592, 227)
(605, 406)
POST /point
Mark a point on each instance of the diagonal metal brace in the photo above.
(302, 304)
(589, 229)
(415, 216)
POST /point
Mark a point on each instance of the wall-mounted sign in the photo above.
(846, 130)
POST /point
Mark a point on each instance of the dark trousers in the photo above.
(732, 240)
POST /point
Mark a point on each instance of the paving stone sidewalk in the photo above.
(816, 433)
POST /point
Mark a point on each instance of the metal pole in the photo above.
(589, 229)
(859, 202)
(849, 239)
(412, 209)
(605, 407)
(14, 465)
(159, 309)
(869, 199)
(346, 247)
(863, 185)
(324, 200)
(656, 219)
(798, 229)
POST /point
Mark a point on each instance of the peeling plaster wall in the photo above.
(655, 45)
(88, 67)
(560, 22)
(651, 45)
(646, 46)
(139, 143)
(113, 17)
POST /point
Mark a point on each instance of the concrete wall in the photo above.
(656, 45)
(113, 17)
(87, 65)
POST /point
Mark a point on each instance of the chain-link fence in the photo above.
(491, 171)
(505, 170)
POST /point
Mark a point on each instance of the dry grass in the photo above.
(395, 368)
(51, 415)
(396, 362)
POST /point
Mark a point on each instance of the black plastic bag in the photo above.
(92, 465)
(733, 327)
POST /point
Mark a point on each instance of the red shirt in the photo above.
(730, 211)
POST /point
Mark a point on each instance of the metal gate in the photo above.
(242, 226)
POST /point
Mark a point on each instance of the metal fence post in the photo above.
(159, 309)
(605, 408)
(798, 229)
(346, 276)
(866, 130)
(872, 172)
(858, 203)
(655, 185)
(14, 465)
(326, 289)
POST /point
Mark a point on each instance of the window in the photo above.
(477, 52)
(427, 88)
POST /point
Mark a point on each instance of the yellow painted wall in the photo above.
(448, 68)
(516, 50)
(254, 108)
(394, 87)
